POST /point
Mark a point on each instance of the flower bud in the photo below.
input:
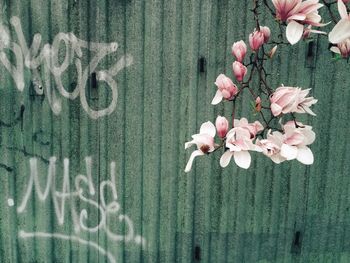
(221, 124)
(239, 49)
(266, 32)
(239, 70)
(256, 40)
(226, 89)
(272, 51)
(258, 104)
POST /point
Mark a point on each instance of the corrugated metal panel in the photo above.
(285, 213)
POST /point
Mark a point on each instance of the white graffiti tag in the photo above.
(45, 63)
(83, 193)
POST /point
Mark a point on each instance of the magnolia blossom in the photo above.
(239, 143)
(226, 89)
(204, 142)
(296, 138)
(252, 128)
(221, 125)
(341, 31)
(297, 13)
(343, 48)
(290, 99)
(239, 70)
(271, 146)
(290, 145)
(239, 49)
(256, 39)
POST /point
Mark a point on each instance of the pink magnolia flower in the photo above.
(252, 128)
(295, 142)
(256, 39)
(266, 32)
(239, 144)
(297, 13)
(341, 31)
(271, 146)
(290, 99)
(226, 89)
(343, 48)
(239, 70)
(346, 1)
(204, 142)
(221, 124)
(239, 49)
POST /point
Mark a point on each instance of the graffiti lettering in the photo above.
(44, 64)
(84, 192)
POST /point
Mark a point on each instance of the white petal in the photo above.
(277, 158)
(190, 161)
(294, 32)
(342, 10)
(310, 137)
(208, 128)
(289, 152)
(242, 159)
(305, 156)
(335, 50)
(225, 159)
(340, 32)
(218, 98)
(318, 32)
(256, 148)
(308, 110)
(189, 144)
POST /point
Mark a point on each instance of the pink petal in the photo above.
(289, 152)
(276, 109)
(208, 128)
(218, 98)
(225, 159)
(305, 156)
(300, 17)
(294, 32)
(242, 159)
(342, 9)
(190, 161)
(340, 32)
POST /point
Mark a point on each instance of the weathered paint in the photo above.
(133, 157)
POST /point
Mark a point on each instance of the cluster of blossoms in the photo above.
(300, 16)
(292, 143)
(288, 139)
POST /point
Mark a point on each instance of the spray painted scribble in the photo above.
(43, 62)
(85, 193)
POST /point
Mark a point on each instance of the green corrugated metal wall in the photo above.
(270, 213)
